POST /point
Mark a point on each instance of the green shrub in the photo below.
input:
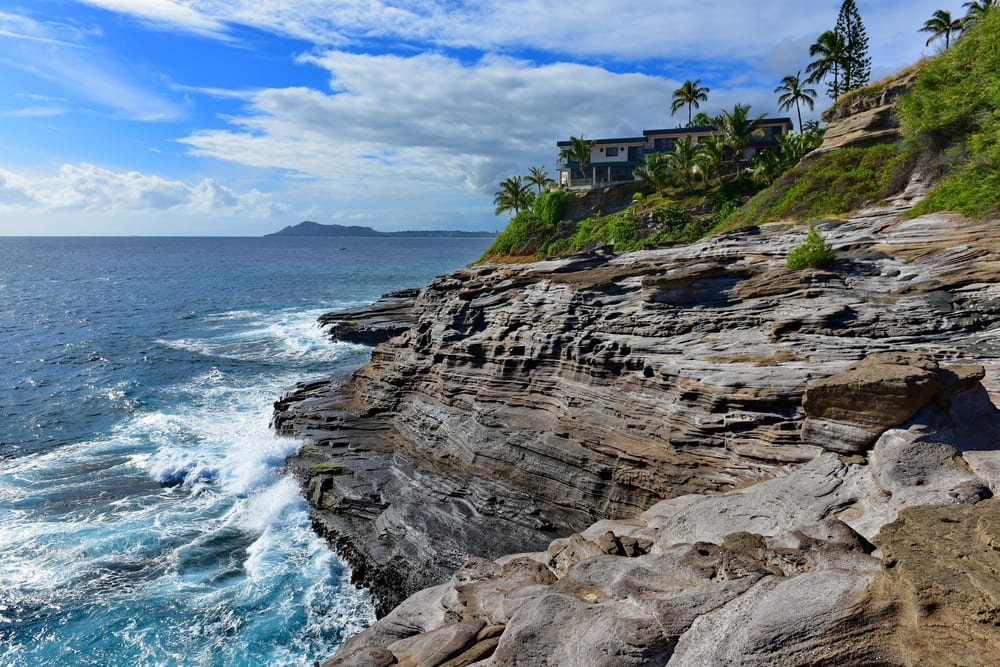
(619, 229)
(522, 237)
(814, 252)
(550, 206)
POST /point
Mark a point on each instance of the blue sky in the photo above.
(237, 117)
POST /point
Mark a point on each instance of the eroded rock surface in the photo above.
(865, 118)
(893, 560)
(376, 323)
(529, 401)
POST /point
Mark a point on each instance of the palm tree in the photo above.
(712, 153)
(975, 11)
(701, 119)
(513, 195)
(941, 24)
(769, 164)
(655, 171)
(578, 151)
(539, 178)
(813, 129)
(737, 130)
(833, 57)
(684, 161)
(690, 93)
(793, 92)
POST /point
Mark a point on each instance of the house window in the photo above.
(611, 152)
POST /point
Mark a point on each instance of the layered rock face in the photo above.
(890, 558)
(865, 118)
(528, 402)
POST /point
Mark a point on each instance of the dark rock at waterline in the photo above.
(390, 316)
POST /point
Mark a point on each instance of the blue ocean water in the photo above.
(144, 515)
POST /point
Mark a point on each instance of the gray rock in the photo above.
(792, 621)
(433, 648)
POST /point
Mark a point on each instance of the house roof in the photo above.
(601, 142)
(678, 131)
(711, 128)
(682, 130)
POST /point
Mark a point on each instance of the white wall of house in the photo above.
(611, 153)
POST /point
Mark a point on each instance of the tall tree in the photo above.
(857, 65)
(514, 195)
(975, 11)
(941, 24)
(578, 151)
(830, 51)
(539, 178)
(737, 130)
(690, 93)
(793, 91)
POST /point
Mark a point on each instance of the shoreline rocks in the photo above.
(389, 316)
(529, 402)
(889, 560)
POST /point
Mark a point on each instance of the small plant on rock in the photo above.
(814, 252)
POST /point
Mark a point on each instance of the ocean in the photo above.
(145, 518)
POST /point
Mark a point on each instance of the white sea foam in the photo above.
(223, 548)
(284, 336)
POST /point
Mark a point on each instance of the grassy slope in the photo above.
(953, 112)
(951, 129)
(831, 184)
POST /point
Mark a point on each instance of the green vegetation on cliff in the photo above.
(951, 130)
(659, 218)
(953, 114)
(831, 184)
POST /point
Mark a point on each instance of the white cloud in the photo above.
(429, 121)
(166, 12)
(88, 188)
(56, 52)
(38, 111)
(25, 28)
(706, 31)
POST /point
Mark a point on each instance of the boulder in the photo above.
(847, 412)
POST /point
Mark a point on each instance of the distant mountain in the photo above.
(312, 229)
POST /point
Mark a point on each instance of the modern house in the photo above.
(613, 161)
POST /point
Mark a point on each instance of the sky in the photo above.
(238, 117)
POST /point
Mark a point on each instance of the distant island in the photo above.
(311, 229)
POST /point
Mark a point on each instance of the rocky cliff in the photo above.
(866, 116)
(699, 456)
(529, 401)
